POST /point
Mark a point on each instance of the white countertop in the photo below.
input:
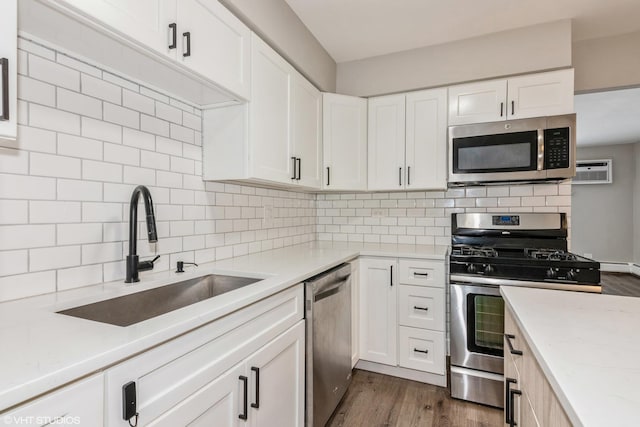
(588, 346)
(42, 350)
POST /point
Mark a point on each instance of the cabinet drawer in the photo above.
(422, 272)
(421, 307)
(422, 350)
(79, 403)
(171, 372)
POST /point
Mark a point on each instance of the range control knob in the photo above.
(471, 268)
(551, 273)
(571, 275)
(489, 269)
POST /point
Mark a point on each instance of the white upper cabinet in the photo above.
(386, 142)
(344, 135)
(307, 132)
(8, 69)
(215, 44)
(534, 95)
(477, 102)
(543, 94)
(426, 136)
(408, 140)
(269, 115)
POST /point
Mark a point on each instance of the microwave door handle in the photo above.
(540, 149)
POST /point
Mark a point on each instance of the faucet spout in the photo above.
(132, 264)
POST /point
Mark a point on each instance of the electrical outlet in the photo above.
(377, 213)
(267, 216)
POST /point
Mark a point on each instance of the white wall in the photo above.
(603, 214)
(607, 62)
(425, 217)
(279, 26)
(86, 138)
(523, 50)
(636, 207)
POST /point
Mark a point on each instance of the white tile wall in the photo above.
(86, 139)
(425, 217)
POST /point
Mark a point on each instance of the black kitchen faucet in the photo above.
(133, 265)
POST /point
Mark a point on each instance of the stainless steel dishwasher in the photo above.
(328, 323)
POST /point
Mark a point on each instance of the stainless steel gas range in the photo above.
(492, 250)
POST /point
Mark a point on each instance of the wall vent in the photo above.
(593, 172)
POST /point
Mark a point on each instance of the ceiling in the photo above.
(606, 118)
(356, 29)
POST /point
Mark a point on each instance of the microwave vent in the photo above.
(593, 172)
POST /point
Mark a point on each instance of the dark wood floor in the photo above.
(375, 400)
(620, 284)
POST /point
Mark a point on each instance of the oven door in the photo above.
(477, 327)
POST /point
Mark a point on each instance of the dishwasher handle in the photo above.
(330, 290)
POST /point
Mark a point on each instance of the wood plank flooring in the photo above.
(620, 284)
(375, 400)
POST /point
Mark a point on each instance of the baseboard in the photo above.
(634, 269)
(409, 374)
(615, 267)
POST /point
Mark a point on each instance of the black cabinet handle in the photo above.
(507, 394)
(328, 176)
(245, 393)
(513, 107)
(391, 276)
(501, 109)
(421, 351)
(400, 176)
(129, 403)
(293, 159)
(187, 35)
(299, 160)
(415, 307)
(173, 31)
(512, 395)
(420, 274)
(4, 81)
(509, 337)
(408, 175)
(257, 403)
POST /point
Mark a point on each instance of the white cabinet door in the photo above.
(269, 114)
(421, 307)
(219, 44)
(344, 134)
(306, 122)
(386, 142)
(278, 369)
(543, 94)
(378, 322)
(477, 102)
(81, 403)
(426, 140)
(422, 350)
(218, 403)
(8, 69)
(144, 22)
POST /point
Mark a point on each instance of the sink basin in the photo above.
(133, 308)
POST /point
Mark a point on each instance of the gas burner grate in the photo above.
(481, 251)
(550, 254)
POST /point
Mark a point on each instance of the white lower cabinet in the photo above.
(402, 317)
(80, 403)
(204, 374)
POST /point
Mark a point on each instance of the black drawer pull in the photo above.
(507, 394)
(245, 394)
(187, 36)
(391, 276)
(173, 29)
(421, 351)
(509, 337)
(420, 274)
(512, 394)
(501, 109)
(4, 82)
(328, 176)
(415, 307)
(257, 402)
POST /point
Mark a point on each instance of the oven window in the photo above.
(509, 152)
(485, 324)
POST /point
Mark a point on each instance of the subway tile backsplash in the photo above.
(86, 139)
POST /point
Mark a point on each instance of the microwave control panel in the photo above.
(556, 148)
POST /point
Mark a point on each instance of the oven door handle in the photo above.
(492, 281)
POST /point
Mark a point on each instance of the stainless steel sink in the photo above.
(134, 308)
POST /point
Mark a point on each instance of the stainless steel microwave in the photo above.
(541, 148)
